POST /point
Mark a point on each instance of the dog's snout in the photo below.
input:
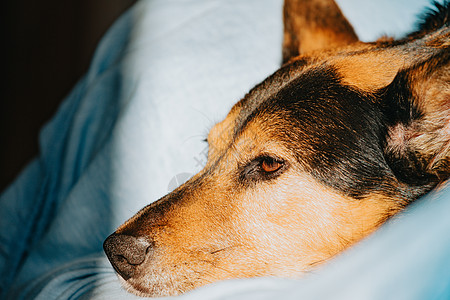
(126, 253)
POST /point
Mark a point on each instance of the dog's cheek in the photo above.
(284, 225)
(293, 225)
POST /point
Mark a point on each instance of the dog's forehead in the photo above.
(364, 67)
(302, 92)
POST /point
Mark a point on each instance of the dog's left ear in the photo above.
(417, 107)
(313, 25)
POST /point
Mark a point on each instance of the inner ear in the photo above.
(312, 25)
(417, 108)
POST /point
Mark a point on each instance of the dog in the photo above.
(342, 137)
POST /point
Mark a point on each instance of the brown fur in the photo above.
(349, 135)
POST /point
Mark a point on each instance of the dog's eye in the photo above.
(270, 165)
(262, 168)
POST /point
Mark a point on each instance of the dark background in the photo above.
(46, 48)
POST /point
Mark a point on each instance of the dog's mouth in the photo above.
(137, 289)
(149, 271)
(150, 288)
(142, 278)
(133, 260)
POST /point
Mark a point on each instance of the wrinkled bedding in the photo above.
(131, 130)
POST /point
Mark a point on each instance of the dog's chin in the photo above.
(141, 289)
(133, 290)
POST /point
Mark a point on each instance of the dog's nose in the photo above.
(126, 253)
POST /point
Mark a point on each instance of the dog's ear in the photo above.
(417, 108)
(312, 25)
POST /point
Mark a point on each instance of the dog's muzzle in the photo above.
(126, 253)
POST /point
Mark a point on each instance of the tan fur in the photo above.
(369, 71)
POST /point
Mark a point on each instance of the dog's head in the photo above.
(310, 161)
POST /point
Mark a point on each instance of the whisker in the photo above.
(212, 263)
(222, 249)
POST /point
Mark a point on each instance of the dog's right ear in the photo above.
(313, 25)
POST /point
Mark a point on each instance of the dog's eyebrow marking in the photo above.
(368, 72)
